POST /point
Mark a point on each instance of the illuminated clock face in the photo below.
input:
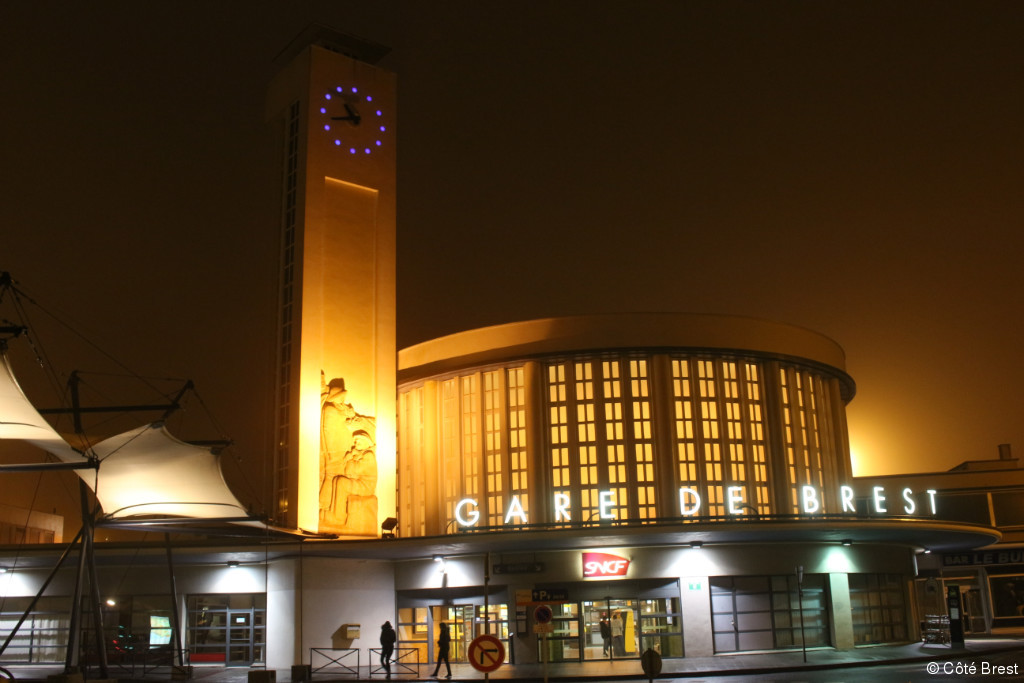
(352, 121)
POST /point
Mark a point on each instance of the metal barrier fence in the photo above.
(336, 660)
(405, 660)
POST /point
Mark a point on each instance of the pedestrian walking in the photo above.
(444, 640)
(387, 646)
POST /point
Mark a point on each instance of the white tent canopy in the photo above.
(20, 420)
(147, 472)
(143, 473)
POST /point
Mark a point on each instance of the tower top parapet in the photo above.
(330, 39)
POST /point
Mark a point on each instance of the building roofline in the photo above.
(573, 334)
(331, 39)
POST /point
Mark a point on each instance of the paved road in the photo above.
(985, 668)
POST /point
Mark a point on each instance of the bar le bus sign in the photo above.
(467, 511)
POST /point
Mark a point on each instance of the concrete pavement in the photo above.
(749, 664)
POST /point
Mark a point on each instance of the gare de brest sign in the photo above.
(467, 511)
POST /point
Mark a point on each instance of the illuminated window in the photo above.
(414, 631)
(714, 473)
(492, 445)
(586, 441)
(800, 414)
(756, 440)
(720, 433)
(602, 438)
(602, 419)
(561, 465)
(685, 435)
(615, 445)
(517, 448)
(483, 448)
(43, 637)
(643, 439)
(451, 466)
(412, 512)
(471, 446)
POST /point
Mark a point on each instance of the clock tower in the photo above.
(334, 468)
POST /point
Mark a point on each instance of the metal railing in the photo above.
(336, 660)
(405, 660)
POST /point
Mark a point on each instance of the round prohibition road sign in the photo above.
(543, 614)
(486, 653)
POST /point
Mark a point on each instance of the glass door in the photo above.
(563, 643)
(974, 614)
(624, 627)
(661, 626)
(227, 629)
(414, 631)
(460, 624)
(240, 641)
(496, 624)
(597, 630)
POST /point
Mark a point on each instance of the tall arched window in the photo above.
(601, 439)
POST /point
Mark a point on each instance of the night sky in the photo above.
(854, 168)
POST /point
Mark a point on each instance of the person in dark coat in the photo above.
(443, 643)
(606, 634)
(387, 646)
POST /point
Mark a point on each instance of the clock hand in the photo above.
(353, 115)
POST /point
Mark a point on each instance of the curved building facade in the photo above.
(687, 474)
(625, 419)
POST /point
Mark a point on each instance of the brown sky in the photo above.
(853, 168)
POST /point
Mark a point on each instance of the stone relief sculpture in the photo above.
(348, 463)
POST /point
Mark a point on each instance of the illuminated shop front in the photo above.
(989, 580)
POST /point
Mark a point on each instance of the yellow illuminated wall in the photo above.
(640, 424)
(336, 429)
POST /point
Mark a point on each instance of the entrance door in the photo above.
(563, 643)
(227, 629)
(622, 628)
(741, 615)
(972, 611)
(240, 638)
(459, 619)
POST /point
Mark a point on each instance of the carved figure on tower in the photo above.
(348, 463)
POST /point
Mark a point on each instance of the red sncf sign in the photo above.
(602, 564)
